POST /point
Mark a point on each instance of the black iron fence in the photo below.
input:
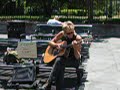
(79, 11)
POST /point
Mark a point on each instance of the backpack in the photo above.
(10, 57)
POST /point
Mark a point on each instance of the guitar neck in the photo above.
(69, 45)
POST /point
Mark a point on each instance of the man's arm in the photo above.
(77, 46)
(56, 39)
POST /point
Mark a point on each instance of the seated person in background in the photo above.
(71, 57)
(54, 21)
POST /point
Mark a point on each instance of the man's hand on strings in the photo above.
(58, 46)
(75, 44)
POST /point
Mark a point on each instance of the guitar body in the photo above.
(51, 53)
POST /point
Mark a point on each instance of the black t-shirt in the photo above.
(70, 50)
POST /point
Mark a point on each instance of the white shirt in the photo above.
(54, 22)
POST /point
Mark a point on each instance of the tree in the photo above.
(44, 5)
(3, 4)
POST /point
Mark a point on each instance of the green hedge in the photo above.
(78, 12)
(73, 19)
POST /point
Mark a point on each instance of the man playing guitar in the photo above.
(71, 57)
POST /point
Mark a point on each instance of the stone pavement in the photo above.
(103, 67)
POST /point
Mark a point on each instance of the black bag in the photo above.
(10, 58)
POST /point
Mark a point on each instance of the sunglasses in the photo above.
(69, 33)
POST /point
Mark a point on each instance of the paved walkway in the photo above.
(103, 67)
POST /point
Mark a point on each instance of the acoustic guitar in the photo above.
(51, 52)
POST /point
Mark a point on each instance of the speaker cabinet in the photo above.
(24, 74)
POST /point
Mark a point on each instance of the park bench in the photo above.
(15, 75)
(44, 69)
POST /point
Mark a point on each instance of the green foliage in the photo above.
(98, 12)
(74, 10)
(27, 17)
(113, 21)
(75, 20)
(78, 12)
